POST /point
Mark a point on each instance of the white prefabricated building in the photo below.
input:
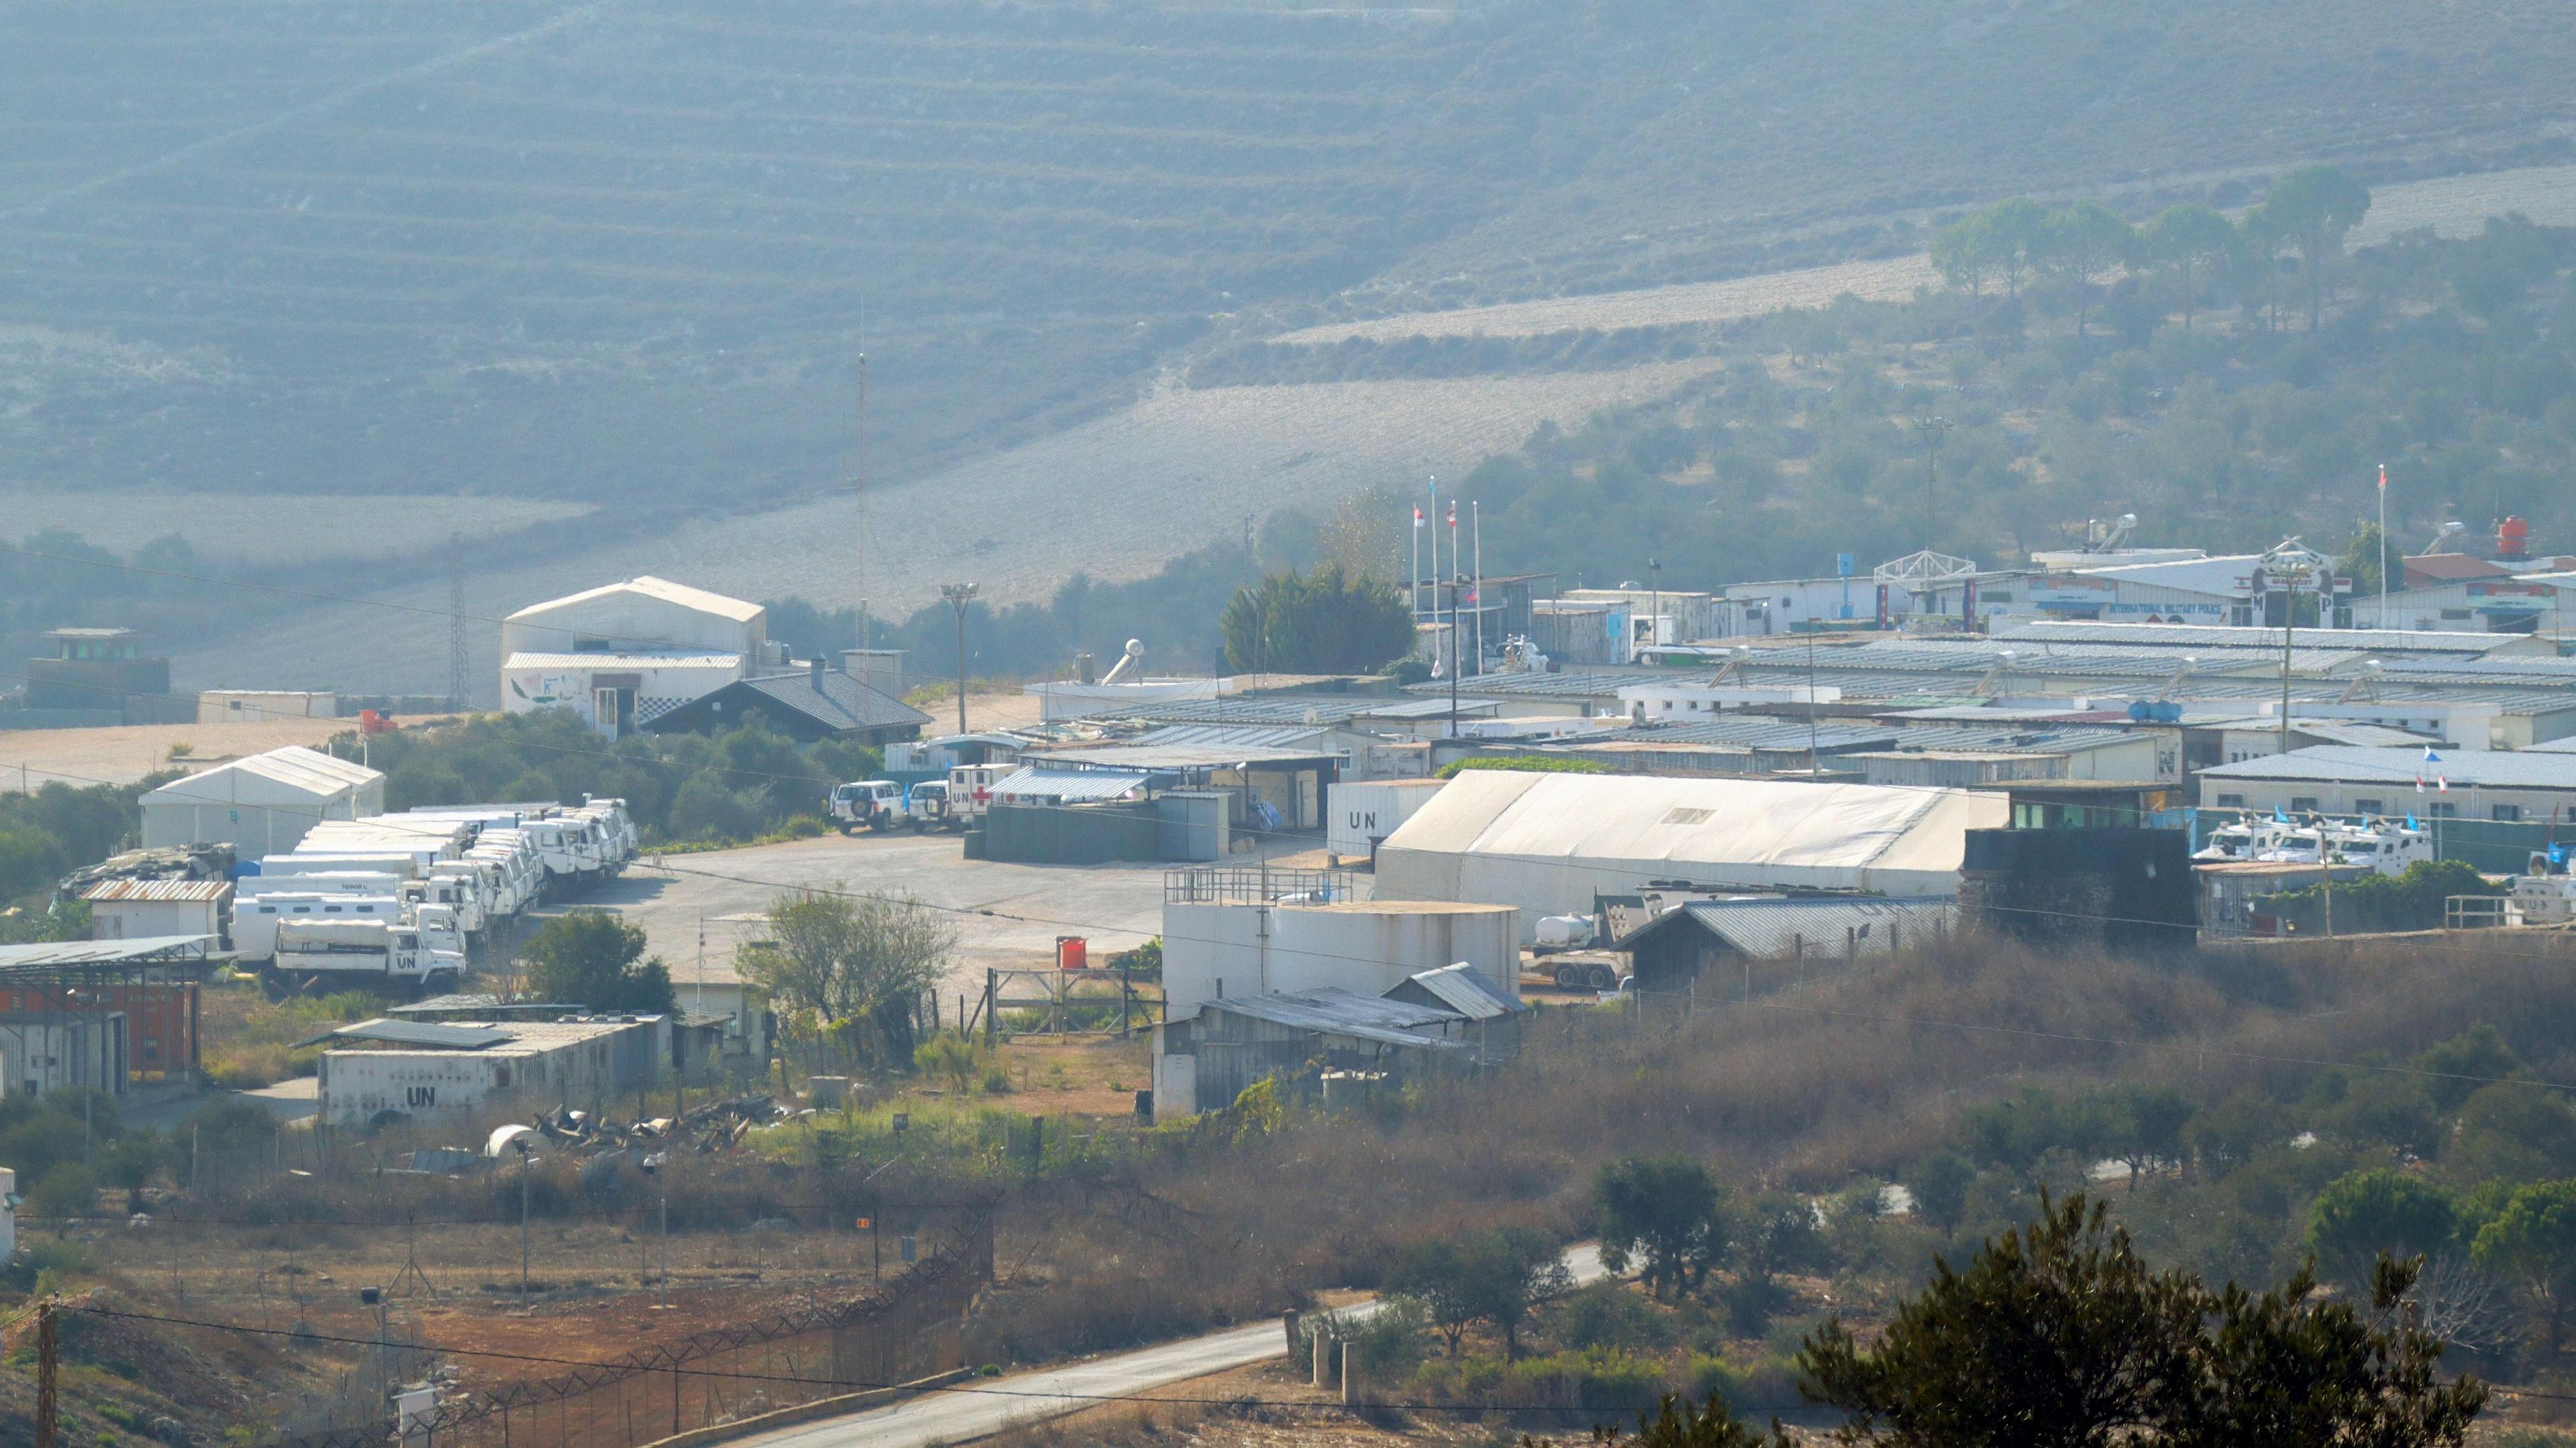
(1366, 947)
(1547, 843)
(262, 804)
(622, 655)
(456, 1069)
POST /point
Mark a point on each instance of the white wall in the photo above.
(1357, 812)
(136, 919)
(658, 688)
(1369, 949)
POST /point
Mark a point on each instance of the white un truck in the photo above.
(329, 955)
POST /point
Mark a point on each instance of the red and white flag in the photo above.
(2383, 477)
(1417, 515)
(1453, 515)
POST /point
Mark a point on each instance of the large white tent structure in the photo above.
(1548, 842)
(262, 804)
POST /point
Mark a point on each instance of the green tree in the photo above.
(1668, 1213)
(591, 958)
(1939, 1185)
(1319, 623)
(2314, 208)
(2190, 238)
(859, 963)
(1675, 1425)
(2366, 1215)
(2464, 1065)
(2533, 1241)
(2512, 1132)
(1496, 1277)
(1964, 252)
(2287, 1368)
(67, 1193)
(2081, 245)
(2013, 233)
(2146, 1127)
(2056, 1334)
(2366, 560)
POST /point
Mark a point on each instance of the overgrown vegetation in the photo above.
(59, 828)
(747, 782)
(1326, 622)
(591, 958)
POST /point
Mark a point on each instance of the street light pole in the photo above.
(959, 595)
(1931, 429)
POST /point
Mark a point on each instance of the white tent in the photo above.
(263, 804)
(1548, 842)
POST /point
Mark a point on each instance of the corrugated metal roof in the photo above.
(2498, 769)
(2382, 640)
(102, 952)
(1768, 928)
(1750, 731)
(1965, 739)
(1461, 989)
(197, 891)
(308, 770)
(1340, 1013)
(650, 587)
(841, 702)
(1219, 755)
(660, 659)
(1067, 786)
(1569, 685)
(1228, 736)
(1318, 709)
(427, 1035)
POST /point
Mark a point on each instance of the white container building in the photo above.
(263, 804)
(455, 1070)
(137, 909)
(1359, 813)
(1366, 947)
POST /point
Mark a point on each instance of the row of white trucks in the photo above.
(395, 903)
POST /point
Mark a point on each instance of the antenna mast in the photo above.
(456, 621)
(867, 624)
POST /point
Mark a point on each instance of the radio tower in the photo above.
(456, 622)
(867, 625)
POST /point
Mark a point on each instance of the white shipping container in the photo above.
(1361, 813)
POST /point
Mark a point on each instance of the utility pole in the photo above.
(522, 1144)
(48, 1362)
(859, 487)
(959, 595)
(1931, 430)
(1453, 651)
(1655, 611)
(456, 681)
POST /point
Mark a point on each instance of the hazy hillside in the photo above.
(624, 248)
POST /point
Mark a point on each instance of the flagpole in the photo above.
(1476, 520)
(1413, 580)
(2383, 545)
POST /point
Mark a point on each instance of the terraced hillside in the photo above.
(631, 246)
(625, 248)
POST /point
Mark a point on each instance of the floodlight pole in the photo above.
(959, 595)
(1931, 430)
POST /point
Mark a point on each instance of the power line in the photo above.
(658, 1369)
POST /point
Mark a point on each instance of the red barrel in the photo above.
(1072, 952)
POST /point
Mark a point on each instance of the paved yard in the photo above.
(1114, 906)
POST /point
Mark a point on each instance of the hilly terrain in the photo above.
(621, 258)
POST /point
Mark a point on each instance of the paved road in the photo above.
(988, 1405)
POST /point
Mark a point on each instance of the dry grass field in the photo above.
(1114, 498)
(277, 528)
